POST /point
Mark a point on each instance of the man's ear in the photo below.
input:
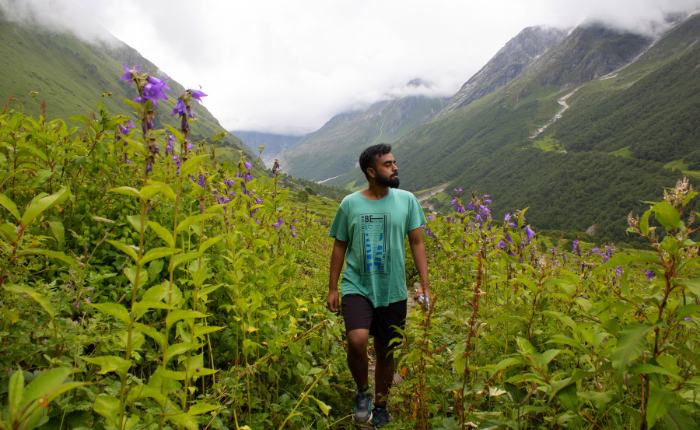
(371, 172)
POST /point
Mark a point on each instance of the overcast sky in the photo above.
(288, 66)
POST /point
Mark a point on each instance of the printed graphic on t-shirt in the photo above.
(375, 233)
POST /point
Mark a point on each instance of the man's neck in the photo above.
(375, 192)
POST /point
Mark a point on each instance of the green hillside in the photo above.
(68, 74)
(334, 148)
(602, 159)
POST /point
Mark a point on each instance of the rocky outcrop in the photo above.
(508, 63)
(592, 50)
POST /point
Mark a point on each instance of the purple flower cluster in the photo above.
(650, 274)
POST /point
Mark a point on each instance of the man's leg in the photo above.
(384, 373)
(357, 356)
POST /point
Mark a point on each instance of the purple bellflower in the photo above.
(180, 108)
(129, 73)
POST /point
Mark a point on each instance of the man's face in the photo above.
(386, 173)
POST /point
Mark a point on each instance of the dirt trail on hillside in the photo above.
(564, 108)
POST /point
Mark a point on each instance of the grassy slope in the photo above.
(68, 74)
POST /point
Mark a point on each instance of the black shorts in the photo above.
(359, 313)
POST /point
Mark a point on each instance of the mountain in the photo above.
(334, 148)
(274, 144)
(585, 133)
(69, 73)
(506, 65)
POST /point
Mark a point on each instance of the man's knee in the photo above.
(357, 341)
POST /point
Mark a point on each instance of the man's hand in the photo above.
(422, 295)
(332, 301)
(337, 260)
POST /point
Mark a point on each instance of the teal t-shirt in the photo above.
(375, 231)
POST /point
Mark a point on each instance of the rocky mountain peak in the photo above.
(511, 60)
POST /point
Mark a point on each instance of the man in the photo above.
(369, 230)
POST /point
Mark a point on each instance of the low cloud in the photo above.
(289, 66)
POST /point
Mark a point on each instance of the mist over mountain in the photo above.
(334, 148)
(274, 144)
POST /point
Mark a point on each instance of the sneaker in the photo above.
(381, 417)
(363, 407)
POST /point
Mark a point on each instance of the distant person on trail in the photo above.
(369, 230)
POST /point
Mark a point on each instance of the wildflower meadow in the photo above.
(144, 285)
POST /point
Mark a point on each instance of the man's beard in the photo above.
(387, 182)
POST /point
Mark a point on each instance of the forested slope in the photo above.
(570, 174)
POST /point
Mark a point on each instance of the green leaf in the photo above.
(125, 249)
(549, 355)
(127, 191)
(599, 400)
(200, 330)
(149, 191)
(643, 369)
(132, 104)
(196, 219)
(677, 419)
(630, 345)
(179, 314)
(155, 268)
(11, 314)
(157, 253)
(53, 254)
(130, 273)
(114, 309)
(38, 206)
(209, 243)
(38, 297)
(324, 407)
(202, 408)
(108, 407)
(568, 397)
(507, 363)
(10, 206)
(150, 331)
(49, 384)
(184, 257)
(163, 233)
(658, 404)
(59, 233)
(181, 348)
(209, 290)
(79, 118)
(693, 285)
(145, 305)
(109, 363)
(185, 420)
(135, 221)
(667, 215)
(199, 276)
(180, 138)
(16, 392)
(190, 165)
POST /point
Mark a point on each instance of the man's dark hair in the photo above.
(370, 155)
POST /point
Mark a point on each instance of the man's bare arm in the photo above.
(415, 239)
(337, 260)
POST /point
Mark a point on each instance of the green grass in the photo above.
(319, 208)
(683, 167)
(622, 152)
(546, 144)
